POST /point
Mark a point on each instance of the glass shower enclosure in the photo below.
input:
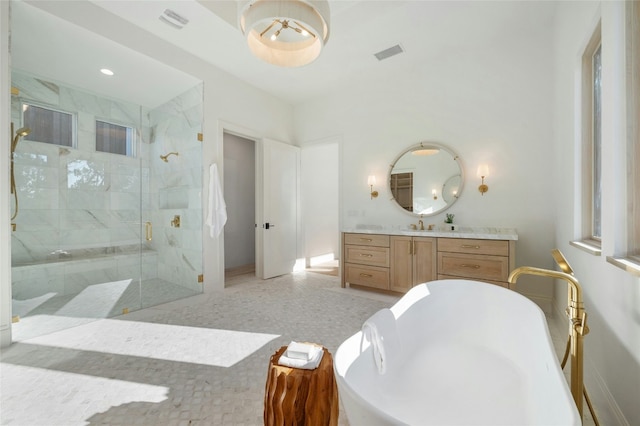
(106, 205)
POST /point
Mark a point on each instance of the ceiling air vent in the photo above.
(173, 19)
(387, 53)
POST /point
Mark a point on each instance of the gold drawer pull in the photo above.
(362, 274)
(366, 239)
(366, 255)
(470, 246)
(464, 265)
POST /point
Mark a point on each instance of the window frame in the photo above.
(74, 121)
(133, 145)
(630, 261)
(588, 241)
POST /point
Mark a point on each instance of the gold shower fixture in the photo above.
(20, 133)
(165, 158)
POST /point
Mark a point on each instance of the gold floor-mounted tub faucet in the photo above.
(577, 322)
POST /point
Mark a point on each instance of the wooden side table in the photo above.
(294, 396)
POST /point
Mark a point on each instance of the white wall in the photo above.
(319, 182)
(240, 198)
(612, 297)
(490, 104)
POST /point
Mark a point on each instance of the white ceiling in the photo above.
(48, 46)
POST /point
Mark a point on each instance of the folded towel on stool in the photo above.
(310, 362)
(297, 350)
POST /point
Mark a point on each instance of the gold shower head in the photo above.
(22, 132)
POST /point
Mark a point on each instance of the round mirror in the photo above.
(426, 179)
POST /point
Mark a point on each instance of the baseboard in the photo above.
(545, 303)
(604, 404)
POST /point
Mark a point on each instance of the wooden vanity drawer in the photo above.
(368, 276)
(492, 268)
(367, 240)
(374, 256)
(471, 246)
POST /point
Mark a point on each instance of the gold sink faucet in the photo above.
(421, 223)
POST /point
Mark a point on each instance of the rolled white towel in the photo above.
(380, 331)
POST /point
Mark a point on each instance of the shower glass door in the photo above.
(171, 266)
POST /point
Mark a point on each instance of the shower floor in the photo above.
(50, 312)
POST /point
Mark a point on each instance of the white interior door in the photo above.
(278, 213)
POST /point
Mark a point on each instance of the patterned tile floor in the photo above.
(87, 374)
(196, 361)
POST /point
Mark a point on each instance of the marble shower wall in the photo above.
(176, 188)
(74, 200)
(82, 213)
(79, 218)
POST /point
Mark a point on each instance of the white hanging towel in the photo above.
(217, 216)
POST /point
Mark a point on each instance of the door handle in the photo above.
(148, 228)
(268, 225)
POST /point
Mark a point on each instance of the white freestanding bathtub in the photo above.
(466, 353)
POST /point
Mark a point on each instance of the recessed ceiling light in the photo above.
(106, 71)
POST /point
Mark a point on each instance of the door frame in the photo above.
(214, 279)
(214, 270)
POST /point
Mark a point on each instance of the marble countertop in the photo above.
(483, 233)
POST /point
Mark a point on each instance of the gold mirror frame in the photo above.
(427, 163)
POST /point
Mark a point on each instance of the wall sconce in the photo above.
(433, 192)
(371, 180)
(483, 172)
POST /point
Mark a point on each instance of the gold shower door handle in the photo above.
(148, 230)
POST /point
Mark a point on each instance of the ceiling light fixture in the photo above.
(106, 71)
(287, 33)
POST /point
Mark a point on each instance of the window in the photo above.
(114, 138)
(48, 125)
(591, 119)
(596, 144)
(633, 138)
(630, 261)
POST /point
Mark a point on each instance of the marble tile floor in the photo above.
(201, 360)
(50, 312)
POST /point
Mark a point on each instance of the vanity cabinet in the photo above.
(366, 260)
(413, 261)
(396, 263)
(490, 261)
